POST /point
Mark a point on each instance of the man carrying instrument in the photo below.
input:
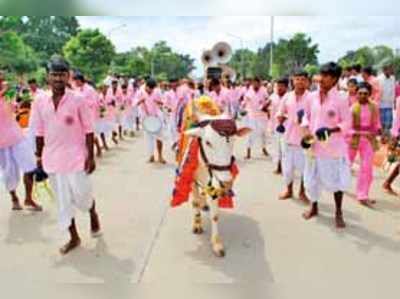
(150, 102)
(16, 154)
(292, 111)
(365, 127)
(65, 148)
(328, 120)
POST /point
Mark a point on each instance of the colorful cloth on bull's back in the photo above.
(188, 153)
(185, 179)
(204, 105)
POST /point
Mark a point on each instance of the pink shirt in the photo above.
(253, 102)
(351, 99)
(150, 107)
(171, 99)
(396, 120)
(330, 112)
(90, 96)
(10, 132)
(376, 89)
(223, 99)
(276, 102)
(290, 107)
(397, 90)
(64, 132)
(366, 125)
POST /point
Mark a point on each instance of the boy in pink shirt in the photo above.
(254, 102)
(352, 87)
(292, 111)
(16, 154)
(65, 142)
(365, 127)
(282, 86)
(328, 120)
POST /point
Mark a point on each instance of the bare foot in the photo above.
(265, 152)
(303, 197)
(95, 227)
(339, 221)
(33, 206)
(310, 214)
(388, 189)
(16, 206)
(71, 245)
(162, 161)
(286, 195)
(278, 171)
(151, 160)
(368, 203)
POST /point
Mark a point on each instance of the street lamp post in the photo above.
(271, 55)
(114, 29)
(241, 54)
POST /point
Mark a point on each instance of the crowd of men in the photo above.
(312, 126)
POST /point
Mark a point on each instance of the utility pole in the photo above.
(271, 52)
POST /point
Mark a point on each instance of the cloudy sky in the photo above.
(334, 34)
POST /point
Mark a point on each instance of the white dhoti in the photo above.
(277, 146)
(103, 126)
(293, 159)
(330, 174)
(73, 191)
(14, 160)
(258, 128)
(129, 120)
(152, 138)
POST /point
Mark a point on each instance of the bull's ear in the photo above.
(195, 132)
(243, 132)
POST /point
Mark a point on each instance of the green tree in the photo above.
(243, 61)
(91, 52)
(295, 53)
(44, 34)
(367, 56)
(160, 59)
(15, 55)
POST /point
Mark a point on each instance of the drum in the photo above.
(152, 125)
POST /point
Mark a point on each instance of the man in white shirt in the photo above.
(388, 85)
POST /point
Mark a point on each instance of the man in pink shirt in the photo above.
(292, 111)
(282, 86)
(254, 103)
(89, 94)
(113, 98)
(328, 120)
(65, 142)
(395, 132)
(150, 102)
(173, 100)
(16, 154)
(221, 95)
(364, 129)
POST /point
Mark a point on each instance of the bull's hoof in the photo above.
(198, 230)
(206, 208)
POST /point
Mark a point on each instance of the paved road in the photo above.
(267, 241)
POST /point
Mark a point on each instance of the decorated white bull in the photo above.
(207, 168)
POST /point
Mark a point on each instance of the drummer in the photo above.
(149, 100)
